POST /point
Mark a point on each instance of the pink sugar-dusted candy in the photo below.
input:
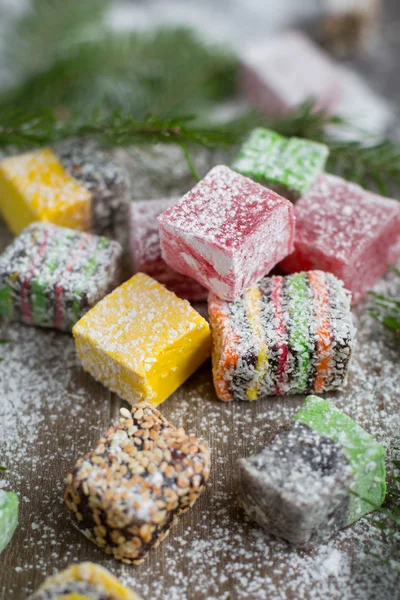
(282, 72)
(344, 229)
(146, 250)
(227, 232)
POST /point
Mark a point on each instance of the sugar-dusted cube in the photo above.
(323, 474)
(285, 71)
(100, 173)
(287, 165)
(146, 254)
(36, 187)
(76, 184)
(142, 341)
(129, 491)
(8, 517)
(287, 335)
(51, 276)
(344, 229)
(84, 581)
(227, 232)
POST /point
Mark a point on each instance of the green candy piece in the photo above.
(8, 517)
(289, 165)
(297, 290)
(366, 457)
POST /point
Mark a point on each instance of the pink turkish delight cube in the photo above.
(282, 72)
(346, 230)
(146, 250)
(227, 232)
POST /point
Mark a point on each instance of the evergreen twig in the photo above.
(386, 309)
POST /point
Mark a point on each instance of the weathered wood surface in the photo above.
(51, 413)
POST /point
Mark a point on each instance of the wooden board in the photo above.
(51, 413)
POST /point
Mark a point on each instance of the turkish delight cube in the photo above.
(285, 71)
(142, 341)
(130, 490)
(287, 335)
(227, 232)
(8, 517)
(105, 178)
(344, 229)
(287, 165)
(51, 276)
(310, 481)
(36, 187)
(76, 184)
(146, 250)
(84, 581)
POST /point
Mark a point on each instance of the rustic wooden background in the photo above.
(51, 413)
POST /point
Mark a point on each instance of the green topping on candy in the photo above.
(8, 517)
(297, 290)
(291, 163)
(366, 457)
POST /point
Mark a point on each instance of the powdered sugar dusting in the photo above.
(51, 413)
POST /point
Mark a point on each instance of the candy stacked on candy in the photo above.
(146, 249)
(84, 581)
(324, 473)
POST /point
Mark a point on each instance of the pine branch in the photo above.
(167, 72)
(386, 310)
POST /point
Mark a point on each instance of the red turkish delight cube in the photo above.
(146, 250)
(280, 73)
(346, 230)
(227, 232)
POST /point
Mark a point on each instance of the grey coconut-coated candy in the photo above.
(107, 179)
(298, 487)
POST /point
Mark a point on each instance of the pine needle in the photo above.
(386, 310)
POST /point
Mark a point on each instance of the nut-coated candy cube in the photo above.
(227, 232)
(51, 276)
(344, 229)
(130, 490)
(287, 165)
(36, 187)
(285, 71)
(323, 474)
(287, 335)
(142, 341)
(146, 250)
(84, 581)
(8, 517)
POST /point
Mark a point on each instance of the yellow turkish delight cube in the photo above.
(142, 341)
(36, 187)
(85, 581)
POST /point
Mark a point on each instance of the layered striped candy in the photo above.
(344, 229)
(8, 517)
(227, 232)
(129, 491)
(288, 335)
(75, 184)
(84, 581)
(287, 165)
(146, 254)
(285, 71)
(323, 474)
(142, 341)
(51, 276)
